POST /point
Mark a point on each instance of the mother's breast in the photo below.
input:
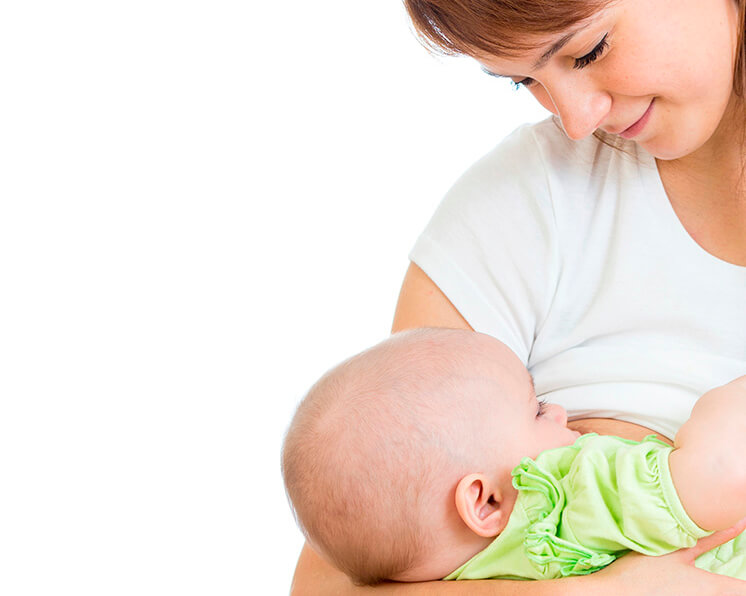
(609, 426)
(660, 407)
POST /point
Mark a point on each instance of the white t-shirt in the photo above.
(571, 254)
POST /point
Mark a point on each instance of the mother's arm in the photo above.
(422, 304)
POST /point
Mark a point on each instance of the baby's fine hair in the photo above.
(364, 447)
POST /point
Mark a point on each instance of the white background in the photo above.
(203, 206)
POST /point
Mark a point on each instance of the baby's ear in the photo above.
(479, 503)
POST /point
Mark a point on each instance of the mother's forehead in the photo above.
(537, 48)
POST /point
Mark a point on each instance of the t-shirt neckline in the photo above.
(662, 204)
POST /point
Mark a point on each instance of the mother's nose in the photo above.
(580, 106)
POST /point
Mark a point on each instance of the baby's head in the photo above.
(398, 461)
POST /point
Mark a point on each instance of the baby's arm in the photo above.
(708, 466)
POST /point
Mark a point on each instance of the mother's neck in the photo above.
(707, 190)
(717, 168)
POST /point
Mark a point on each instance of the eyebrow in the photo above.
(556, 47)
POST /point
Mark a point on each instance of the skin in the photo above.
(421, 304)
(503, 410)
(681, 55)
(707, 465)
(640, 64)
(695, 128)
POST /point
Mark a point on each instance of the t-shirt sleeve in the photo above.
(491, 246)
(622, 496)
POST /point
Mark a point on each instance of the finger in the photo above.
(715, 540)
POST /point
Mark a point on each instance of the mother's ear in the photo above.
(480, 505)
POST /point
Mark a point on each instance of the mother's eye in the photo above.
(593, 55)
(527, 82)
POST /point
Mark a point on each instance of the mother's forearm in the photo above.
(314, 577)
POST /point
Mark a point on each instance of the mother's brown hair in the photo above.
(506, 27)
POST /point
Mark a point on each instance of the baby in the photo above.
(409, 462)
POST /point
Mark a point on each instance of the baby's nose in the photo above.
(559, 414)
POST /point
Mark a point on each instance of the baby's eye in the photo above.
(541, 407)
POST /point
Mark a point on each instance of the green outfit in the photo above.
(581, 507)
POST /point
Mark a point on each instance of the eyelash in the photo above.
(541, 407)
(593, 55)
(581, 62)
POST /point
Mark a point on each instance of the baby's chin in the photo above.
(569, 438)
(572, 436)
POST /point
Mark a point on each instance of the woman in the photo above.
(606, 247)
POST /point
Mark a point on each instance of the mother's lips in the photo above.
(633, 128)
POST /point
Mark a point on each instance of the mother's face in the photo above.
(657, 71)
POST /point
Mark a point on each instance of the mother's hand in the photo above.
(674, 574)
